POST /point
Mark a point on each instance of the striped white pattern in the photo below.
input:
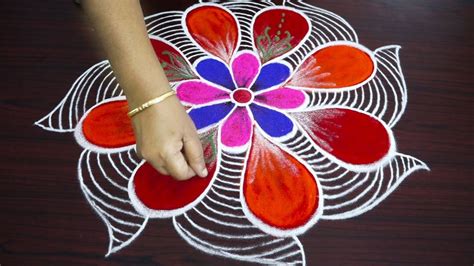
(103, 179)
(325, 27)
(98, 83)
(348, 193)
(95, 85)
(385, 96)
(219, 226)
(245, 11)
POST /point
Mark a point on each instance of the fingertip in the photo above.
(203, 173)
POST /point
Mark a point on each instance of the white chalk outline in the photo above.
(326, 28)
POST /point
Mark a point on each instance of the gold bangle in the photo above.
(150, 103)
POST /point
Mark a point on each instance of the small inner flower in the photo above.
(242, 96)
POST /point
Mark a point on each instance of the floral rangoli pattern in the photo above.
(295, 117)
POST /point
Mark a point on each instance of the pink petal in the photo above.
(283, 98)
(237, 128)
(198, 92)
(245, 68)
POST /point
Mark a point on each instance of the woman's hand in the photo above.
(167, 138)
(165, 135)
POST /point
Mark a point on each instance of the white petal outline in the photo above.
(340, 43)
(355, 167)
(272, 230)
(151, 213)
(302, 41)
(82, 140)
(200, 5)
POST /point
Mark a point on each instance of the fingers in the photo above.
(159, 167)
(155, 161)
(194, 154)
(169, 161)
(177, 166)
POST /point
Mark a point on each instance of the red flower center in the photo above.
(242, 96)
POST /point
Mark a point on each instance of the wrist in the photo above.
(151, 103)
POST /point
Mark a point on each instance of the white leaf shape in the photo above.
(103, 179)
(95, 85)
(218, 225)
(349, 193)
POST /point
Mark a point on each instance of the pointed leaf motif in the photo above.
(103, 179)
(174, 64)
(218, 225)
(348, 193)
(94, 86)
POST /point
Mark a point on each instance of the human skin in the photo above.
(165, 135)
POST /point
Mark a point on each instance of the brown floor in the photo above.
(45, 220)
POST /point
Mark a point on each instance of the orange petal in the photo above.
(278, 189)
(214, 29)
(107, 125)
(333, 67)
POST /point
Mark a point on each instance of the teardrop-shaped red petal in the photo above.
(278, 189)
(278, 31)
(350, 136)
(214, 29)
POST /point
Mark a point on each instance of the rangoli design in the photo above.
(295, 116)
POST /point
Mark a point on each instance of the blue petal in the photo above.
(271, 75)
(209, 115)
(274, 123)
(216, 72)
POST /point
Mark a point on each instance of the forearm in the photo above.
(121, 30)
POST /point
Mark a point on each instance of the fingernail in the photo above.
(204, 172)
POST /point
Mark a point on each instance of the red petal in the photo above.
(277, 31)
(350, 136)
(335, 66)
(214, 29)
(160, 192)
(174, 64)
(107, 125)
(278, 189)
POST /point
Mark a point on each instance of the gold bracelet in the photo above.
(150, 103)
